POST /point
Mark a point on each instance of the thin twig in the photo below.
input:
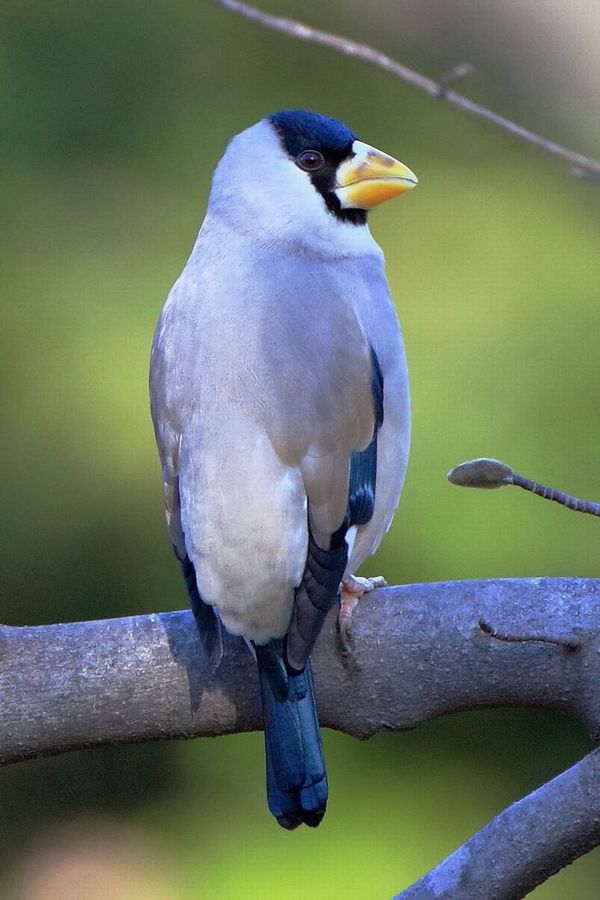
(549, 493)
(486, 472)
(581, 165)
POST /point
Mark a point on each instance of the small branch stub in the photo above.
(569, 645)
(454, 74)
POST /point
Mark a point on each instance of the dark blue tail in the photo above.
(296, 778)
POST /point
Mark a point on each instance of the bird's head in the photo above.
(305, 177)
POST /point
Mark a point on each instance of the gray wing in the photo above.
(325, 565)
(375, 478)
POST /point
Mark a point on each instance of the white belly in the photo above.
(245, 524)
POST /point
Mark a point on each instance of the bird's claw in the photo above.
(351, 590)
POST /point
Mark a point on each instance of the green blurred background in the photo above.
(113, 116)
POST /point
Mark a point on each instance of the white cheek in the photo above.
(260, 192)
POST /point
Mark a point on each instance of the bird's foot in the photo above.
(351, 590)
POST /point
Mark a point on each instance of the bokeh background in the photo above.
(113, 115)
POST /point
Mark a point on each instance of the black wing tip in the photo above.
(207, 619)
(316, 595)
(212, 644)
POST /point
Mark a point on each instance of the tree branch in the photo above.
(581, 165)
(525, 844)
(422, 651)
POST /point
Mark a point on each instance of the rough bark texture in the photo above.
(421, 651)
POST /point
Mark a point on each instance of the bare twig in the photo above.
(486, 472)
(549, 493)
(581, 165)
(421, 653)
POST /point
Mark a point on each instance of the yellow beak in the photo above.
(371, 177)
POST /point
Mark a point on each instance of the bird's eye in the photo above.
(310, 160)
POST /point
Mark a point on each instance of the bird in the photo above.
(280, 404)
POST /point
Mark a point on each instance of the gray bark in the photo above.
(525, 844)
(421, 651)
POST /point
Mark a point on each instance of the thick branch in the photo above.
(582, 165)
(422, 651)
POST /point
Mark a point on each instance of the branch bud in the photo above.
(481, 473)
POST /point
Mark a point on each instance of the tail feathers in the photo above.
(296, 779)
